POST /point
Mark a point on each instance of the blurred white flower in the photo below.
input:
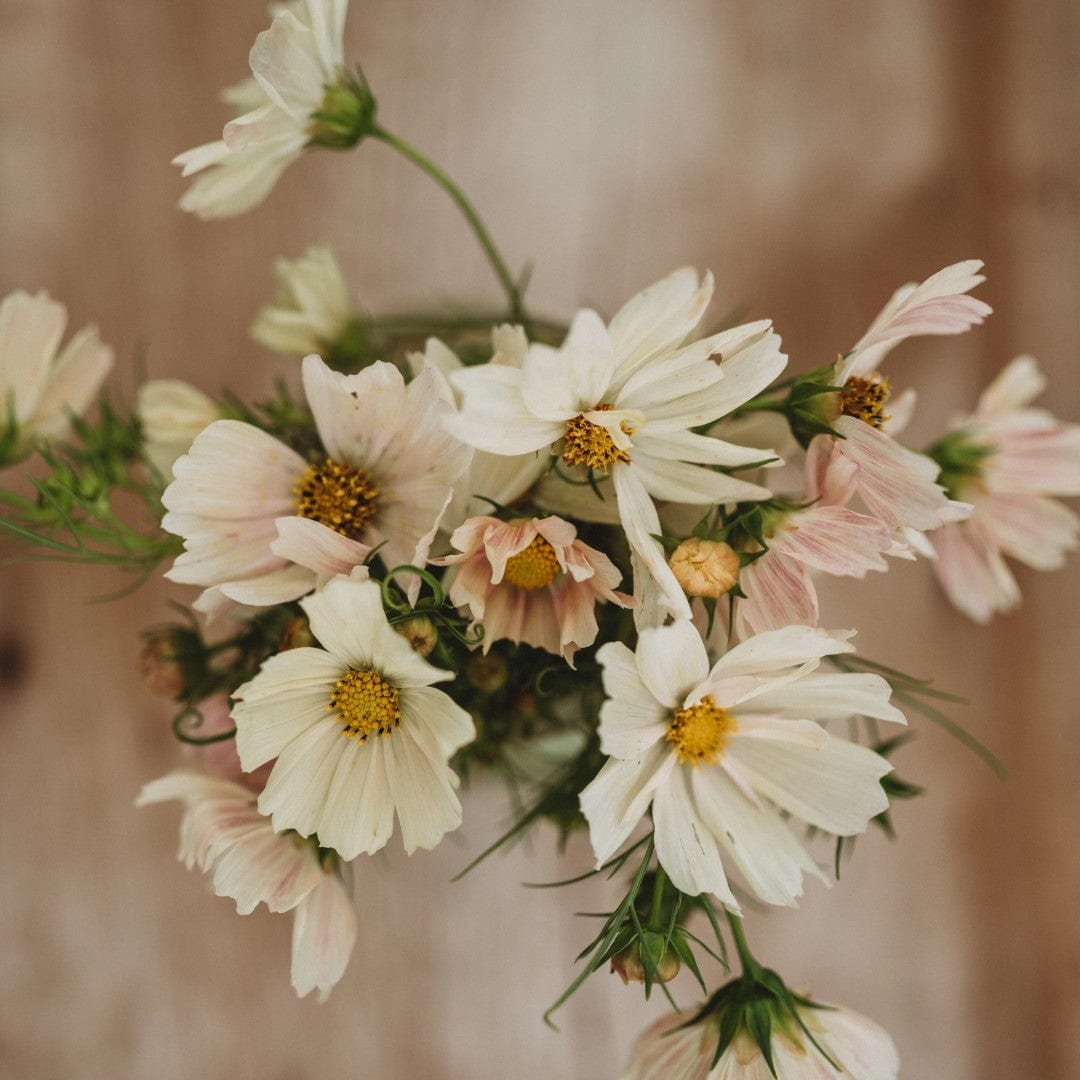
(311, 310)
(41, 385)
(171, 413)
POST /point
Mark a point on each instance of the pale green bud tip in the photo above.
(346, 116)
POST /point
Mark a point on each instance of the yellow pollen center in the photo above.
(366, 703)
(534, 568)
(338, 496)
(865, 398)
(700, 732)
(589, 444)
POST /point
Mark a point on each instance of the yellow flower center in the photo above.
(534, 568)
(366, 703)
(701, 732)
(589, 444)
(338, 496)
(865, 398)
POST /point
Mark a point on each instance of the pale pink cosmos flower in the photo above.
(263, 525)
(1017, 459)
(531, 581)
(824, 535)
(225, 836)
(897, 485)
(673, 1049)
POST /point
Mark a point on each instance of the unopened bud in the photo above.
(420, 632)
(170, 660)
(487, 673)
(630, 967)
(296, 634)
(704, 567)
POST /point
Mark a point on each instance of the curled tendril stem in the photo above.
(188, 721)
(430, 580)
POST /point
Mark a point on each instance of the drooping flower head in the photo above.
(225, 836)
(1009, 461)
(623, 401)
(806, 1041)
(357, 730)
(302, 96)
(720, 752)
(531, 580)
(41, 385)
(262, 525)
(897, 485)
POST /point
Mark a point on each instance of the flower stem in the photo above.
(746, 957)
(506, 279)
(657, 902)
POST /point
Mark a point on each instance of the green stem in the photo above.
(764, 403)
(746, 957)
(506, 279)
(657, 902)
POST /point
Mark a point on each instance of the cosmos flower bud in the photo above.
(420, 632)
(488, 673)
(170, 661)
(630, 965)
(296, 634)
(704, 567)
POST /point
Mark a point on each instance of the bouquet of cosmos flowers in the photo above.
(580, 556)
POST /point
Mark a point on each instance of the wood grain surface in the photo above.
(814, 156)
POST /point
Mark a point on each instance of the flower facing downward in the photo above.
(225, 836)
(1009, 461)
(303, 97)
(261, 525)
(357, 730)
(818, 1042)
(311, 311)
(720, 753)
(40, 383)
(531, 581)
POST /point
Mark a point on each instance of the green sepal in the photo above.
(346, 115)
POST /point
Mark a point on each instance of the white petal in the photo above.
(832, 696)
(324, 933)
(677, 481)
(423, 790)
(772, 652)
(359, 813)
(632, 719)
(671, 661)
(296, 792)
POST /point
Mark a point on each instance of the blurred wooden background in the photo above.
(814, 156)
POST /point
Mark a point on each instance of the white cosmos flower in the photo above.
(171, 413)
(357, 729)
(502, 479)
(719, 752)
(1013, 461)
(672, 1049)
(311, 309)
(624, 399)
(293, 63)
(225, 836)
(40, 383)
(261, 525)
(897, 485)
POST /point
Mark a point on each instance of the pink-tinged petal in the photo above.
(837, 788)
(937, 306)
(831, 479)
(1035, 530)
(223, 551)
(285, 61)
(265, 867)
(901, 410)
(755, 837)
(494, 415)
(972, 573)
(312, 545)
(616, 799)
(835, 540)
(658, 318)
(75, 378)
(641, 522)
(324, 933)
(671, 1049)
(1037, 460)
(427, 807)
(276, 587)
(685, 846)
(779, 592)
(560, 535)
(671, 661)
(358, 816)
(1018, 384)
(896, 484)
(831, 696)
(257, 129)
(30, 331)
(504, 540)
